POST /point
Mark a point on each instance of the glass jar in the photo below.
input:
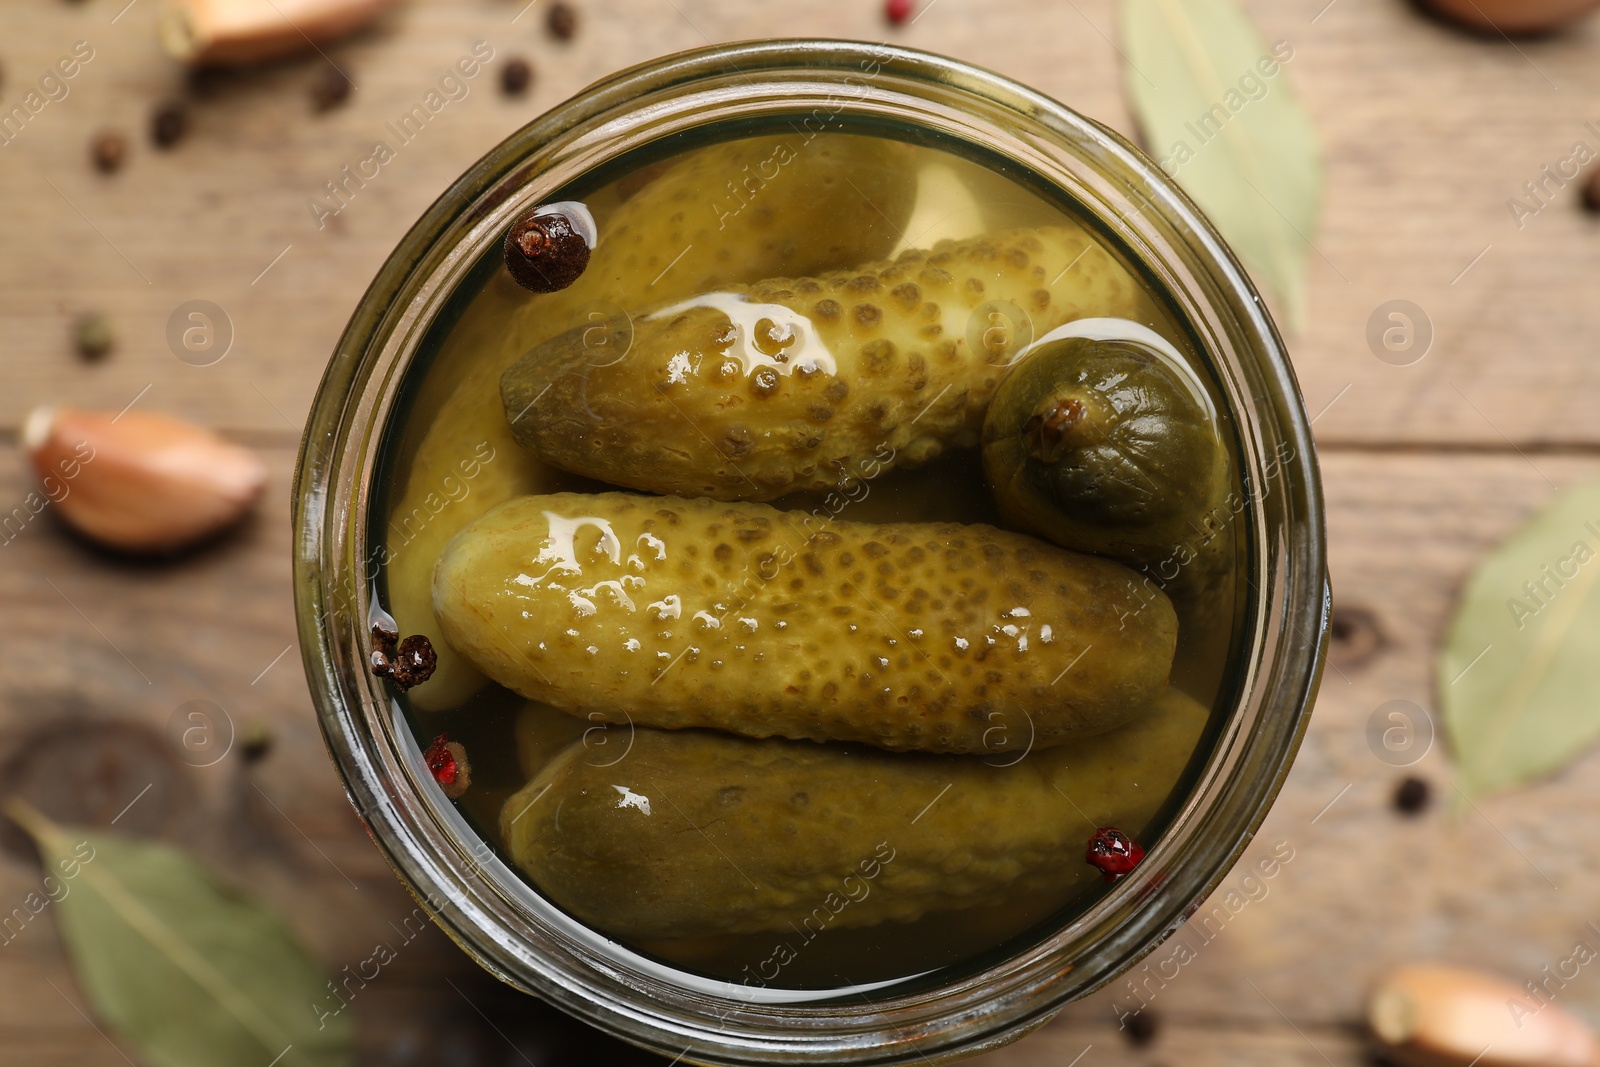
(473, 894)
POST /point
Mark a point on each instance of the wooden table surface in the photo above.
(1427, 134)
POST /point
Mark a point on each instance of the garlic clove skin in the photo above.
(140, 482)
(1513, 16)
(239, 32)
(1426, 1015)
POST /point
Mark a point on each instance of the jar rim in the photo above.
(483, 905)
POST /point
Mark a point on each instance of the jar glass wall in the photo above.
(386, 377)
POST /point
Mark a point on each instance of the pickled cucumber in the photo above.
(1102, 439)
(749, 392)
(682, 613)
(1105, 443)
(541, 732)
(697, 833)
(805, 206)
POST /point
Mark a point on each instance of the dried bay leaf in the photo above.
(1518, 674)
(1232, 134)
(186, 972)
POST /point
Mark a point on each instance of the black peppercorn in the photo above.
(206, 83)
(1141, 1027)
(515, 76)
(108, 150)
(409, 663)
(414, 662)
(562, 21)
(255, 741)
(330, 89)
(168, 124)
(385, 638)
(92, 335)
(544, 253)
(384, 643)
(1591, 190)
(1412, 795)
(1354, 637)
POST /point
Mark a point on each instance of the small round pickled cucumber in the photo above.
(830, 200)
(680, 613)
(696, 833)
(754, 391)
(1105, 445)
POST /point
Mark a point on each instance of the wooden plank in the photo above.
(1502, 887)
(111, 644)
(1200, 1043)
(110, 641)
(1428, 133)
(1365, 889)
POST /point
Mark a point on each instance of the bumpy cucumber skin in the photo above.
(807, 218)
(696, 410)
(678, 613)
(697, 833)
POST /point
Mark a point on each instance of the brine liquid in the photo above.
(950, 197)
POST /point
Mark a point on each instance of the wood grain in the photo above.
(1505, 886)
(1427, 133)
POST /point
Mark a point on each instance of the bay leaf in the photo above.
(186, 972)
(1519, 670)
(1233, 135)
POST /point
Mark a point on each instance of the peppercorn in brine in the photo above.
(817, 557)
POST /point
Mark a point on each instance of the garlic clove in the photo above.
(1427, 1015)
(236, 32)
(140, 482)
(1513, 16)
